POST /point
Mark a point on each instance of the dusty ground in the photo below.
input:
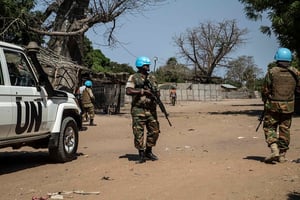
(211, 152)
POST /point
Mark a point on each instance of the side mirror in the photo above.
(33, 47)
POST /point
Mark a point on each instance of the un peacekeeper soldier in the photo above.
(87, 101)
(278, 96)
(143, 110)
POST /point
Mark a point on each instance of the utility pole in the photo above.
(155, 60)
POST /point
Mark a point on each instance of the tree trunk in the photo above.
(68, 14)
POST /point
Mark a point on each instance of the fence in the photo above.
(191, 92)
(195, 92)
(109, 91)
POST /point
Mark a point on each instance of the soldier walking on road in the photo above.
(278, 97)
(143, 110)
(87, 101)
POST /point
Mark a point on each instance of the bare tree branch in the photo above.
(65, 22)
(206, 46)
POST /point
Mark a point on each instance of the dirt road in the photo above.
(211, 152)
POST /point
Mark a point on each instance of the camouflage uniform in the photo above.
(143, 112)
(87, 102)
(278, 95)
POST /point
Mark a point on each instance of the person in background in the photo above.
(278, 95)
(143, 110)
(87, 101)
(173, 95)
(78, 95)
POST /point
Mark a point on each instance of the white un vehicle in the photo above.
(32, 113)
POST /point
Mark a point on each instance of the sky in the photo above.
(151, 33)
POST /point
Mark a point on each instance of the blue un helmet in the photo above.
(283, 54)
(141, 61)
(88, 83)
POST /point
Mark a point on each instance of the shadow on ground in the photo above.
(21, 160)
(293, 196)
(250, 112)
(130, 157)
(238, 112)
(256, 158)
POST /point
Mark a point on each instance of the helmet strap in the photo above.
(283, 63)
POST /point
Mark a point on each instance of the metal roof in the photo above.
(228, 86)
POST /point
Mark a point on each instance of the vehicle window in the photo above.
(1, 76)
(19, 71)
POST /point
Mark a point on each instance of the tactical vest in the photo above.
(283, 84)
(138, 81)
(85, 98)
(141, 100)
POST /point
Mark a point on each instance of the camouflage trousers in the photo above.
(141, 119)
(88, 109)
(280, 122)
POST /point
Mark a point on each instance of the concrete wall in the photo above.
(191, 92)
(202, 92)
(195, 92)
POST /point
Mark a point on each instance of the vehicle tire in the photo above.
(67, 142)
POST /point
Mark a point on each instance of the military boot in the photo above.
(274, 156)
(92, 122)
(282, 158)
(141, 157)
(150, 155)
(84, 117)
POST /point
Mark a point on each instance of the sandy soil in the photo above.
(211, 152)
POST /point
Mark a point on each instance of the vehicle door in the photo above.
(29, 109)
(5, 100)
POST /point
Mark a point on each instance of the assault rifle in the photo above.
(262, 115)
(260, 119)
(148, 84)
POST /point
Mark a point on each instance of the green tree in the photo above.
(116, 67)
(65, 22)
(12, 13)
(97, 61)
(284, 17)
(172, 71)
(243, 71)
(94, 58)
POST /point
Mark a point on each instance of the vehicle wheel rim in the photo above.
(69, 140)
